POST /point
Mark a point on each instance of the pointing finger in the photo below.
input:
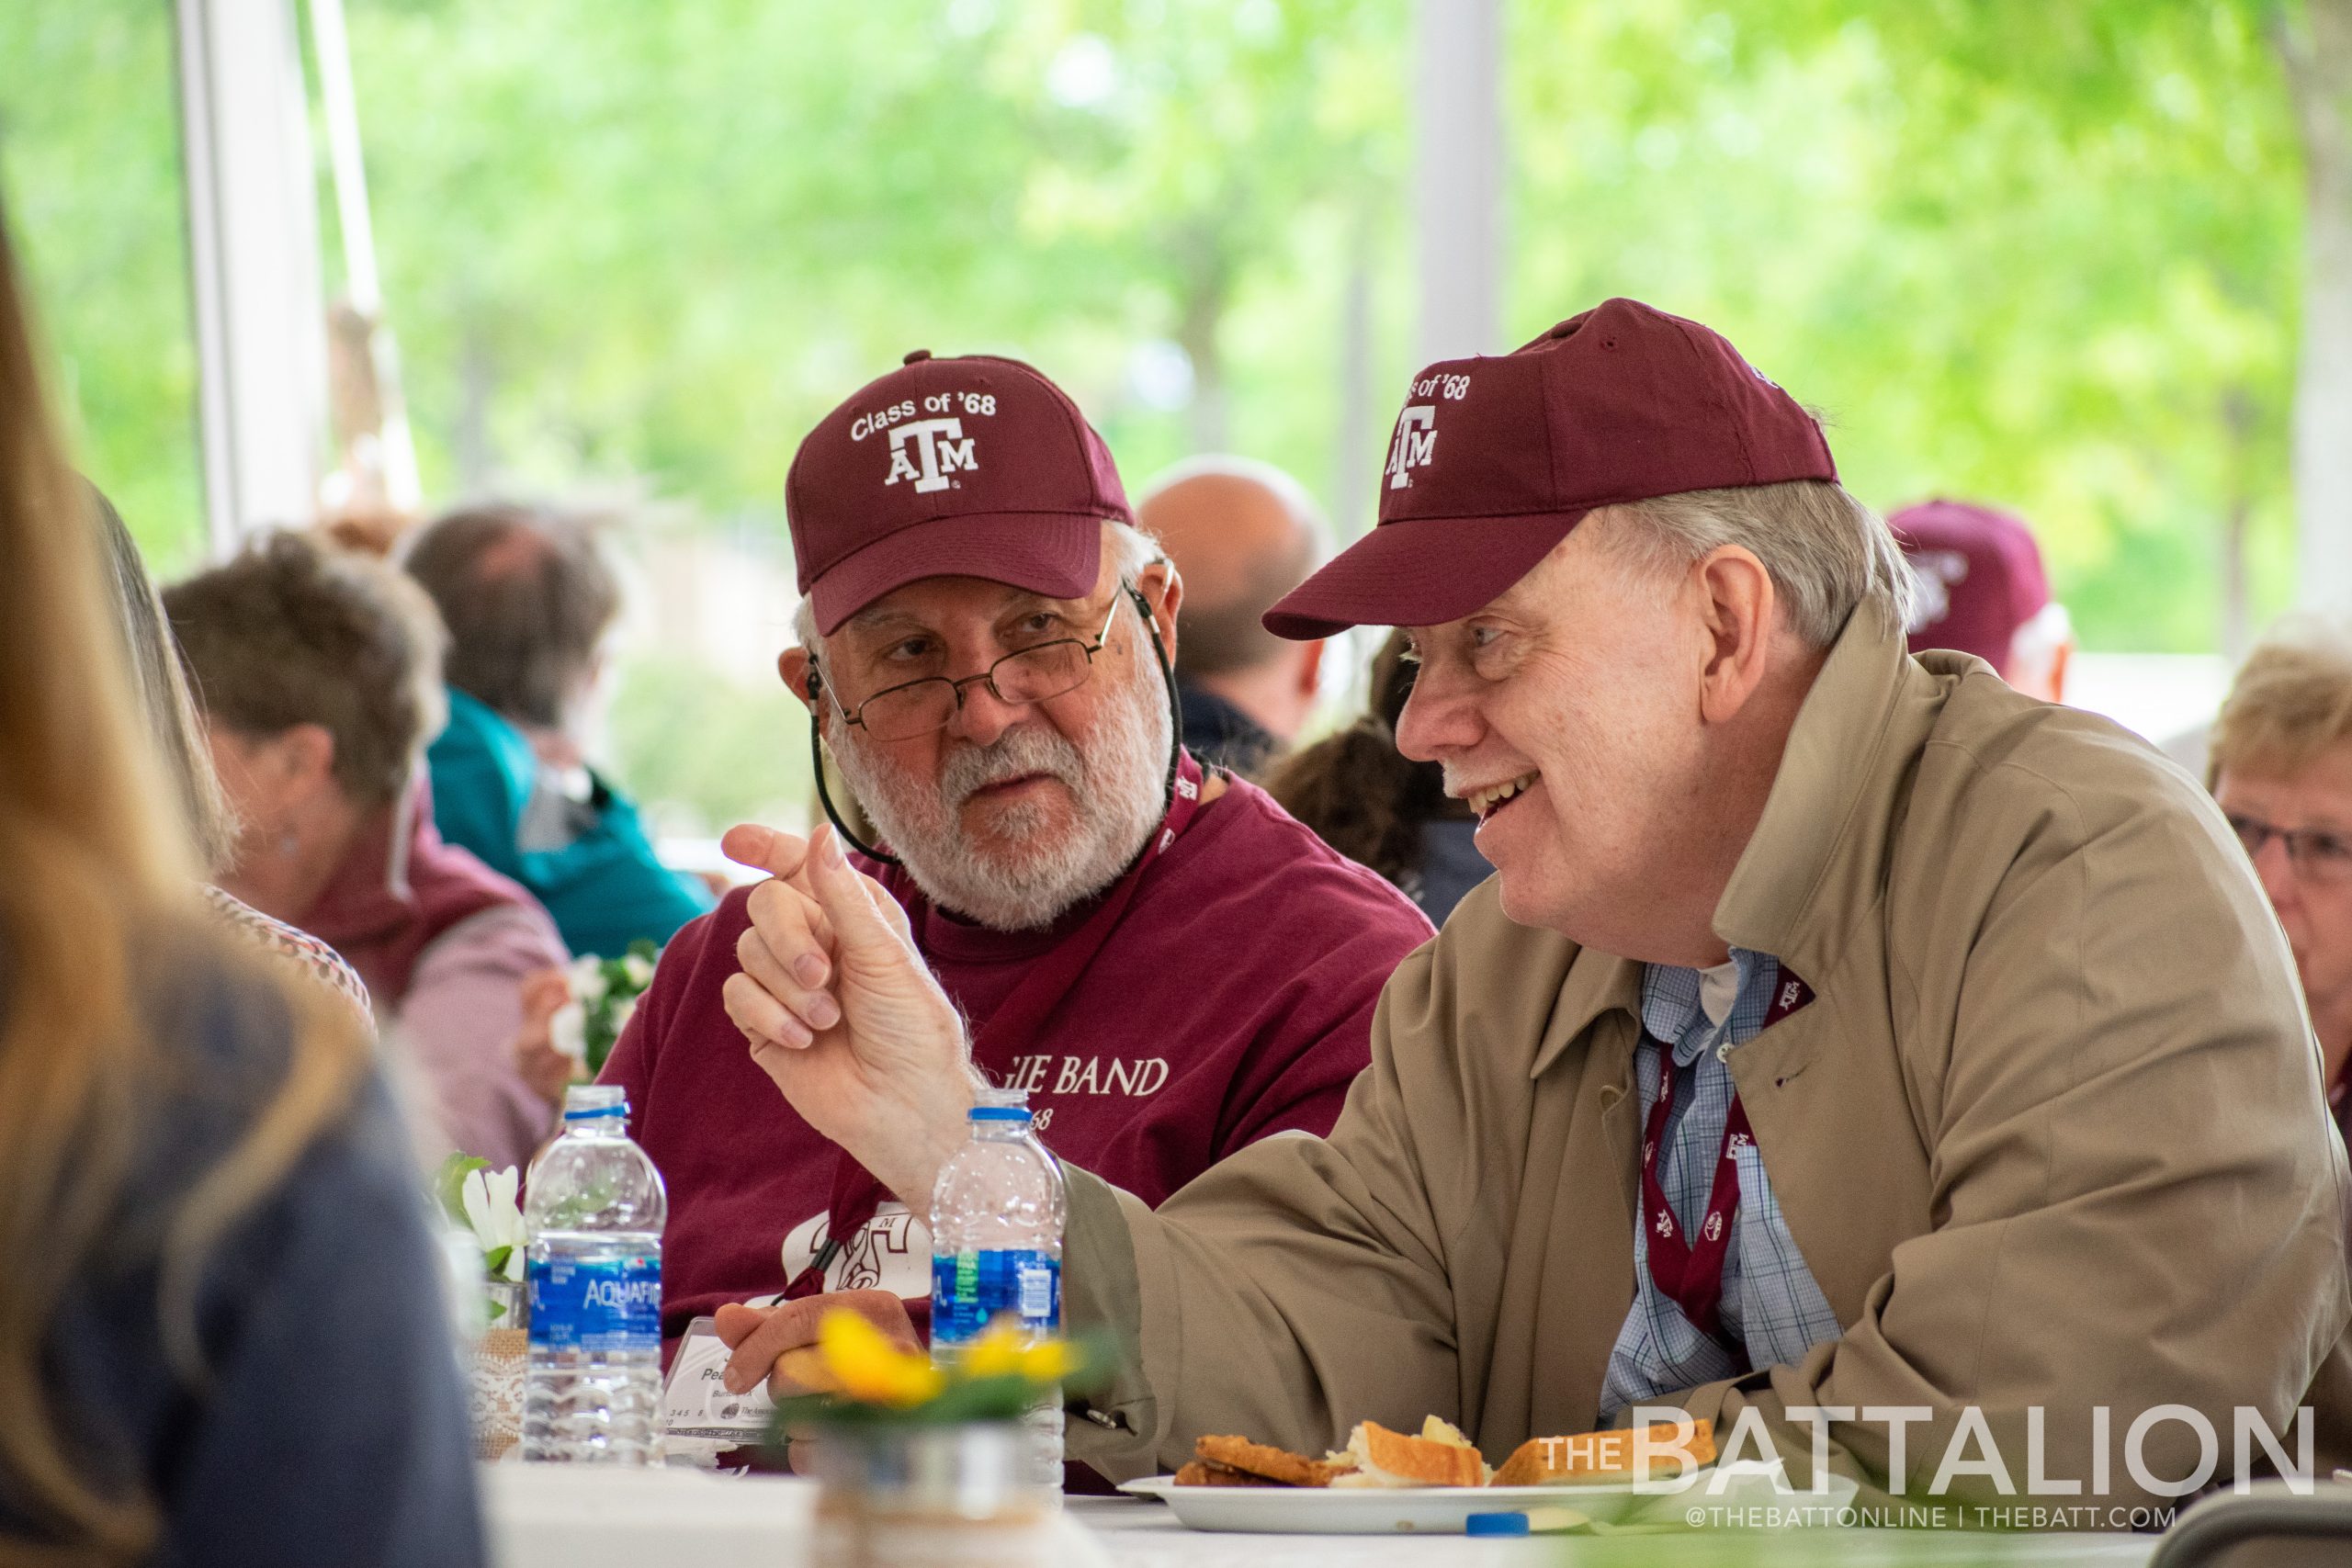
(764, 849)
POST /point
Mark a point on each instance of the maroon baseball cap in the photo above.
(971, 467)
(1494, 459)
(1979, 576)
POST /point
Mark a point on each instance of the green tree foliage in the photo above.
(663, 243)
(89, 168)
(2043, 255)
(2046, 255)
(655, 249)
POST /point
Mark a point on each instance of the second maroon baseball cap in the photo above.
(1979, 575)
(1494, 459)
(967, 467)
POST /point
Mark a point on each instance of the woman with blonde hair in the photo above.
(161, 686)
(220, 1338)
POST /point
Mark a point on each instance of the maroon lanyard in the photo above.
(1692, 1273)
(856, 1195)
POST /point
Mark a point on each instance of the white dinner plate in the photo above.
(1441, 1510)
(1348, 1510)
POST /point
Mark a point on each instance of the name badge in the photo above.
(695, 1404)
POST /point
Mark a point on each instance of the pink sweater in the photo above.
(458, 1020)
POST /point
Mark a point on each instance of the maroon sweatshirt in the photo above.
(1233, 999)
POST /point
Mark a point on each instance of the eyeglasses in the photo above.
(2317, 854)
(1027, 675)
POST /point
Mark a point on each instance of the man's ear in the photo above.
(2060, 658)
(1738, 609)
(1163, 588)
(800, 672)
(1310, 669)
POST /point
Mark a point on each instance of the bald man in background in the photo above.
(1243, 534)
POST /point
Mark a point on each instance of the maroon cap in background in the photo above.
(972, 466)
(1494, 459)
(1979, 576)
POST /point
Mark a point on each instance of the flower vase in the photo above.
(496, 1396)
(961, 1497)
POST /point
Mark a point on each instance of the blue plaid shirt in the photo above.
(1771, 1310)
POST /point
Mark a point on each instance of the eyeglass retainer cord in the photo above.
(1175, 728)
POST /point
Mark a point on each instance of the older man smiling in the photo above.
(1898, 1071)
(984, 648)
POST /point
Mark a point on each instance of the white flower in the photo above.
(621, 1016)
(588, 979)
(639, 970)
(487, 1197)
(568, 1030)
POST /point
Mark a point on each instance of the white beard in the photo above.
(1116, 774)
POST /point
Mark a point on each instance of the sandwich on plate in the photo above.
(1376, 1456)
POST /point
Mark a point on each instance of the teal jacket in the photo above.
(589, 862)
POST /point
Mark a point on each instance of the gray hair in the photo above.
(1131, 549)
(1826, 551)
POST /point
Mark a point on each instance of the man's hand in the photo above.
(543, 1067)
(841, 1014)
(765, 1338)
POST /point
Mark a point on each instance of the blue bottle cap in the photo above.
(998, 1113)
(1495, 1524)
(591, 1101)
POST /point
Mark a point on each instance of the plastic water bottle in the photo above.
(591, 1394)
(996, 1250)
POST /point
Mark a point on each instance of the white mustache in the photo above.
(1013, 754)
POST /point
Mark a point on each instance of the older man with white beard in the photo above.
(984, 648)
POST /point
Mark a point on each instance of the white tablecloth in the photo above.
(1145, 1535)
(560, 1517)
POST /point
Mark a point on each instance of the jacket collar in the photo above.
(1596, 983)
(1811, 869)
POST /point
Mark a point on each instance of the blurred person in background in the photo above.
(211, 1215)
(2282, 771)
(1242, 534)
(1379, 807)
(1071, 881)
(319, 674)
(160, 687)
(1980, 590)
(529, 603)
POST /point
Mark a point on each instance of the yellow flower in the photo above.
(996, 1352)
(870, 1367)
(1049, 1362)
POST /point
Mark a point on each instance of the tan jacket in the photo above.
(2050, 1133)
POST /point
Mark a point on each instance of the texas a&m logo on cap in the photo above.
(1415, 443)
(942, 448)
(928, 451)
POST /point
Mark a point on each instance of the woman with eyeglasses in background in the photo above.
(221, 1337)
(2282, 771)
